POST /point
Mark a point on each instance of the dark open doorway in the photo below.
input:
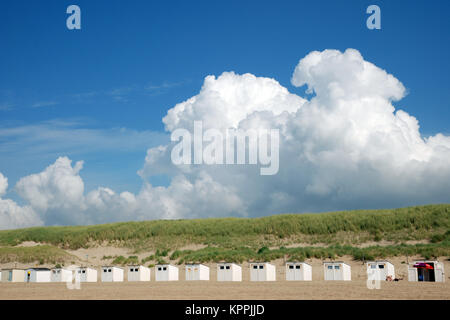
(426, 273)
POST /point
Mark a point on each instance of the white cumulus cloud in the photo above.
(58, 186)
(344, 147)
(230, 98)
(13, 215)
(3, 184)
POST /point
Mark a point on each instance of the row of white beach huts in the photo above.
(295, 271)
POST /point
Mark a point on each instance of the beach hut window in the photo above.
(228, 267)
(297, 267)
(164, 268)
(330, 267)
(261, 267)
(291, 267)
(222, 267)
(381, 266)
(336, 267)
(255, 267)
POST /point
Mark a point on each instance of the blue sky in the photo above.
(134, 60)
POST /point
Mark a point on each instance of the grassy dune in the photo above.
(42, 254)
(267, 238)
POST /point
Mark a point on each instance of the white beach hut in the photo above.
(86, 274)
(166, 272)
(13, 275)
(298, 271)
(138, 273)
(197, 272)
(380, 270)
(229, 272)
(61, 275)
(337, 271)
(112, 274)
(37, 275)
(262, 271)
(426, 271)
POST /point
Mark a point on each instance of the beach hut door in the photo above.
(338, 272)
(439, 273)
(382, 271)
(228, 273)
(189, 274)
(330, 272)
(412, 274)
(297, 273)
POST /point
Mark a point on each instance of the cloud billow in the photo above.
(13, 215)
(346, 147)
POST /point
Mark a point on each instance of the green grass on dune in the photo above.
(217, 254)
(41, 254)
(413, 223)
